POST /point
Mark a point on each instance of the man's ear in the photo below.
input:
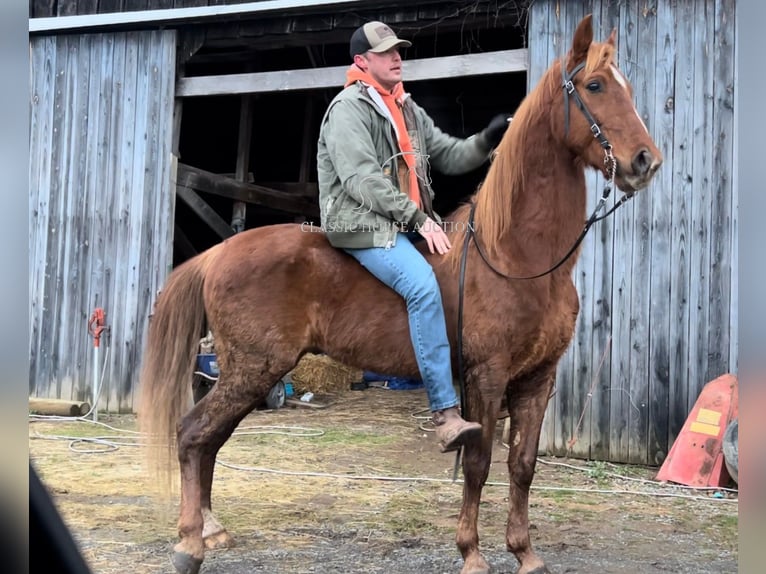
(361, 62)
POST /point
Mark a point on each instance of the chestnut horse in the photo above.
(274, 293)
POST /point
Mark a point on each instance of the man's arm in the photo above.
(454, 156)
(448, 154)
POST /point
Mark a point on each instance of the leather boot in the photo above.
(452, 430)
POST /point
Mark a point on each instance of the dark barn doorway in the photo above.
(284, 125)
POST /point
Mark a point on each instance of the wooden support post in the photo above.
(189, 42)
(239, 209)
(178, 106)
(306, 146)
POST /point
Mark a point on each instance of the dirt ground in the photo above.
(321, 498)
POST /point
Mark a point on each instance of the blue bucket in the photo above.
(208, 364)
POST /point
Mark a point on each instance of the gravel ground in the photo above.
(586, 516)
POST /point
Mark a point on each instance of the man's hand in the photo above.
(497, 127)
(435, 237)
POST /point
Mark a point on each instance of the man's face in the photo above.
(385, 68)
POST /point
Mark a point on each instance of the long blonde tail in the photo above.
(170, 354)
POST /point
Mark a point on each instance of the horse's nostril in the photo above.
(642, 161)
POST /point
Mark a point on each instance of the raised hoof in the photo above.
(185, 563)
(219, 540)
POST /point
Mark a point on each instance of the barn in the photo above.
(160, 127)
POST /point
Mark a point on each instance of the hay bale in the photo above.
(320, 374)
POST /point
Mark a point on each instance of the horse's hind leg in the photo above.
(201, 434)
(526, 407)
(213, 532)
(477, 457)
(190, 551)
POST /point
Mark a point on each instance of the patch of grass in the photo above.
(351, 437)
(556, 495)
(407, 525)
(725, 527)
(337, 437)
(67, 429)
(598, 471)
(49, 459)
(630, 470)
(728, 523)
(76, 429)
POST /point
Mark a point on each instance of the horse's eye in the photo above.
(594, 86)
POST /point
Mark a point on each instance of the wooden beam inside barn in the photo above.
(182, 244)
(204, 211)
(200, 180)
(309, 189)
(500, 62)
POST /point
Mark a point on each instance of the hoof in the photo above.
(185, 563)
(219, 540)
(538, 570)
(475, 566)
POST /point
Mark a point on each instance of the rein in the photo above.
(611, 168)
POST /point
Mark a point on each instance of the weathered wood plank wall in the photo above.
(49, 8)
(101, 204)
(657, 282)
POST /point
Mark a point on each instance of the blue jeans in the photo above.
(407, 272)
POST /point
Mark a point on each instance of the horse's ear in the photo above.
(583, 37)
(612, 39)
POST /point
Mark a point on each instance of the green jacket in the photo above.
(361, 204)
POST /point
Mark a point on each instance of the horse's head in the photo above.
(599, 117)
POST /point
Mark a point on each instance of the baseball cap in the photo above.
(374, 37)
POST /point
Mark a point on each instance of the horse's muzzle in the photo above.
(643, 166)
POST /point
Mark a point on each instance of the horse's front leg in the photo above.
(526, 407)
(477, 456)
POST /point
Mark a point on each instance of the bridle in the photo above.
(611, 169)
(610, 162)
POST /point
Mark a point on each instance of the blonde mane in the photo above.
(505, 178)
(494, 198)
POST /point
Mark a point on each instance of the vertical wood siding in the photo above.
(657, 281)
(101, 205)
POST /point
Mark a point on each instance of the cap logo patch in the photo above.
(383, 32)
